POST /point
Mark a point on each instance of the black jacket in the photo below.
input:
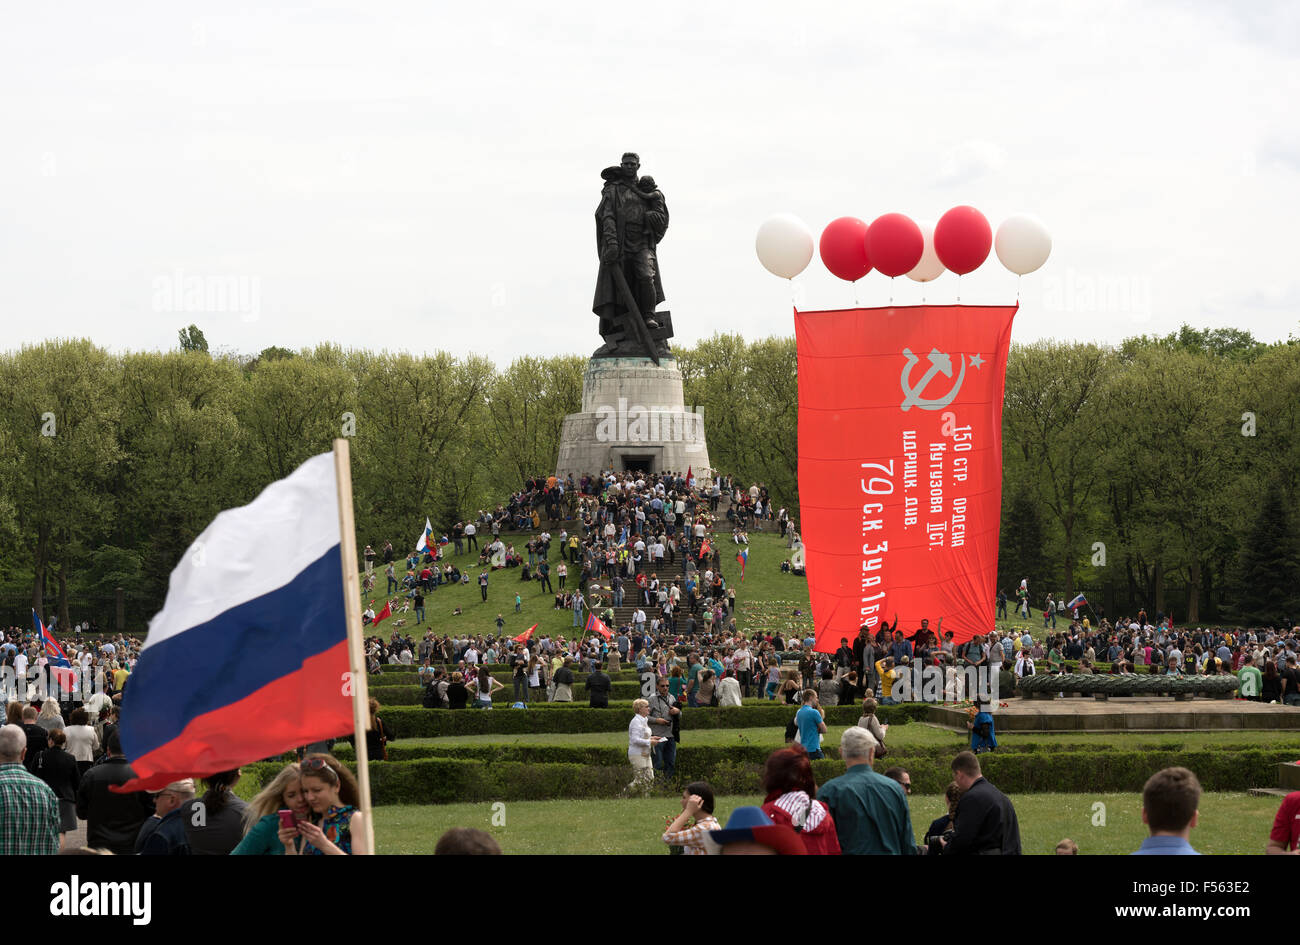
(598, 684)
(985, 823)
(59, 770)
(113, 819)
(37, 741)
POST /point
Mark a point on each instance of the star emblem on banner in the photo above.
(976, 361)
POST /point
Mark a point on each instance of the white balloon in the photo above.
(784, 245)
(929, 266)
(1023, 243)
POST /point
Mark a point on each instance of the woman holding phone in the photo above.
(281, 803)
(331, 793)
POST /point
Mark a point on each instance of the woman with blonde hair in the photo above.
(50, 719)
(331, 791)
(262, 817)
(639, 743)
(83, 743)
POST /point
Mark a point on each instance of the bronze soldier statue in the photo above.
(630, 221)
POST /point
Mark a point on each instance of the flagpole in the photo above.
(356, 652)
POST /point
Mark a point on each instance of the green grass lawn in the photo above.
(764, 584)
(1229, 823)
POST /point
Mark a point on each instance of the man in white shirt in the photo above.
(471, 536)
(471, 656)
(638, 618)
(742, 660)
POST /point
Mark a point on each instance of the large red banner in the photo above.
(900, 465)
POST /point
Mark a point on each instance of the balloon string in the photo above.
(794, 299)
(1017, 289)
(855, 293)
(959, 288)
(891, 290)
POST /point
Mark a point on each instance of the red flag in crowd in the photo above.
(596, 625)
(524, 637)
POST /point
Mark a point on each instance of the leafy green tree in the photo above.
(60, 404)
(1265, 582)
(1053, 418)
(192, 339)
(1020, 554)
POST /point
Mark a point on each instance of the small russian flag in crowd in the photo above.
(53, 650)
(60, 666)
(248, 657)
(1078, 601)
(743, 557)
(425, 543)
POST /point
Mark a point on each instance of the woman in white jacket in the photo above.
(639, 743)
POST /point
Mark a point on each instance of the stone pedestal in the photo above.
(633, 417)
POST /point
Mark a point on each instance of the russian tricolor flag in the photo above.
(743, 558)
(1078, 601)
(249, 656)
(425, 541)
(53, 650)
(60, 667)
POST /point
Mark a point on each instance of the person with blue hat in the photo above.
(750, 832)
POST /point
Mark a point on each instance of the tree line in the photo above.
(1160, 473)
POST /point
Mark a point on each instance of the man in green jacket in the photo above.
(870, 810)
(1251, 680)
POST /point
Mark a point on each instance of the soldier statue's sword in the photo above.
(634, 313)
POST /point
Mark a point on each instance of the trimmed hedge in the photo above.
(1129, 685)
(449, 780)
(418, 722)
(414, 695)
(707, 756)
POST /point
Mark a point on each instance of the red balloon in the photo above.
(894, 244)
(844, 248)
(962, 239)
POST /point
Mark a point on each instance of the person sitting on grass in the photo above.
(689, 833)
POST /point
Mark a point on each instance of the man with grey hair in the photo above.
(172, 797)
(29, 810)
(870, 810)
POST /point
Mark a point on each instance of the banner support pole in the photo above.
(356, 652)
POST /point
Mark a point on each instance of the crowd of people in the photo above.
(865, 812)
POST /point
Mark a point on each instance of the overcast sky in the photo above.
(423, 176)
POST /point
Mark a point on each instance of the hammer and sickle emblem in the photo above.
(940, 363)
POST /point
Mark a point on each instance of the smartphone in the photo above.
(287, 819)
